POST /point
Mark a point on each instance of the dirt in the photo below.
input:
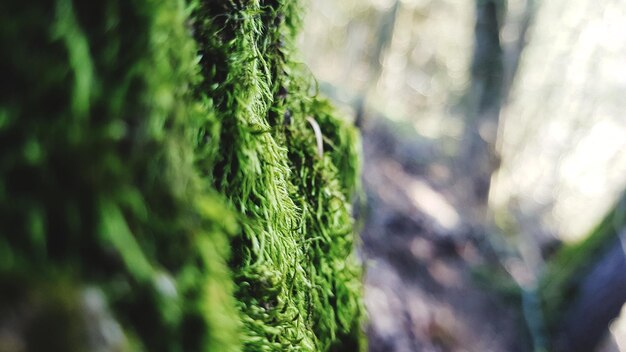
(420, 254)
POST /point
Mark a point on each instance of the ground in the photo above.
(420, 254)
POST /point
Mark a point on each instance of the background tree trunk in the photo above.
(583, 287)
(477, 157)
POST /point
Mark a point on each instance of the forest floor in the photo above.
(420, 255)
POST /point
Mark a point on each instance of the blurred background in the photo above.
(494, 136)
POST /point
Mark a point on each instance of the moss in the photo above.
(298, 282)
(563, 273)
(97, 172)
(159, 151)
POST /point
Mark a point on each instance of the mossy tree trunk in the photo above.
(161, 184)
(584, 287)
(598, 300)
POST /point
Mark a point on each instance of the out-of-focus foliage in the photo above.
(175, 201)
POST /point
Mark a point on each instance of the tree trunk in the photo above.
(160, 184)
(477, 159)
(583, 286)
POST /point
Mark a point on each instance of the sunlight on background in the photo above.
(419, 74)
(618, 331)
(563, 134)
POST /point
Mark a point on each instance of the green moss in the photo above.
(159, 151)
(298, 282)
(97, 168)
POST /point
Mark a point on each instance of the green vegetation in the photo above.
(156, 154)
